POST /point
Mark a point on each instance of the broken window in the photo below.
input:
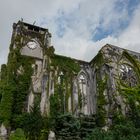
(36, 29)
(82, 84)
(128, 76)
(30, 27)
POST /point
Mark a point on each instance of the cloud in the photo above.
(130, 37)
(76, 31)
(79, 28)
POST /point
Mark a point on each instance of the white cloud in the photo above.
(130, 38)
(81, 18)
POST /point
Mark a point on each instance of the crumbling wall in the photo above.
(109, 79)
(36, 78)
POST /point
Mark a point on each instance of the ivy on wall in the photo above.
(65, 64)
(98, 60)
(14, 84)
(101, 101)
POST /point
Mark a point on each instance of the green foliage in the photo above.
(14, 84)
(6, 103)
(35, 126)
(132, 94)
(32, 123)
(55, 105)
(118, 117)
(67, 127)
(87, 125)
(121, 129)
(7, 90)
(125, 131)
(47, 125)
(65, 63)
(23, 81)
(3, 73)
(98, 60)
(3, 77)
(50, 51)
(101, 102)
(17, 135)
(134, 113)
(62, 92)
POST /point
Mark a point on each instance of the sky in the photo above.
(79, 28)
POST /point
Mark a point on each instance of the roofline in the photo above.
(129, 51)
(31, 25)
(81, 61)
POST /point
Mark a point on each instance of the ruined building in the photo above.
(85, 88)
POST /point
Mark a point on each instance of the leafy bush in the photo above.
(17, 135)
(118, 132)
(33, 124)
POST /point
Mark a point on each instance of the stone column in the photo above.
(51, 136)
(3, 132)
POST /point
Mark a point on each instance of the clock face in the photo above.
(32, 44)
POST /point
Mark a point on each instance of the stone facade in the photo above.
(83, 82)
(81, 87)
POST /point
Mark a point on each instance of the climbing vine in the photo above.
(14, 84)
(65, 63)
(101, 101)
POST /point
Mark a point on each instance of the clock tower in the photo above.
(33, 42)
(34, 39)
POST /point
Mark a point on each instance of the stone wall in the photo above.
(82, 88)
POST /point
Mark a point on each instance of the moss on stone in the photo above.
(15, 90)
(98, 60)
(101, 101)
(65, 64)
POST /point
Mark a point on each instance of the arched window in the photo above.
(82, 81)
(82, 84)
(127, 75)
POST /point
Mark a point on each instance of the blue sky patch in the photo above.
(128, 6)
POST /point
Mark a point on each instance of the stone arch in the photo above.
(82, 79)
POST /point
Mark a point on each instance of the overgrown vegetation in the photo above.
(126, 131)
(18, 135)
(15, 84)
(98, 60)
(123, 127)
(65, 63)
(101, 101)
